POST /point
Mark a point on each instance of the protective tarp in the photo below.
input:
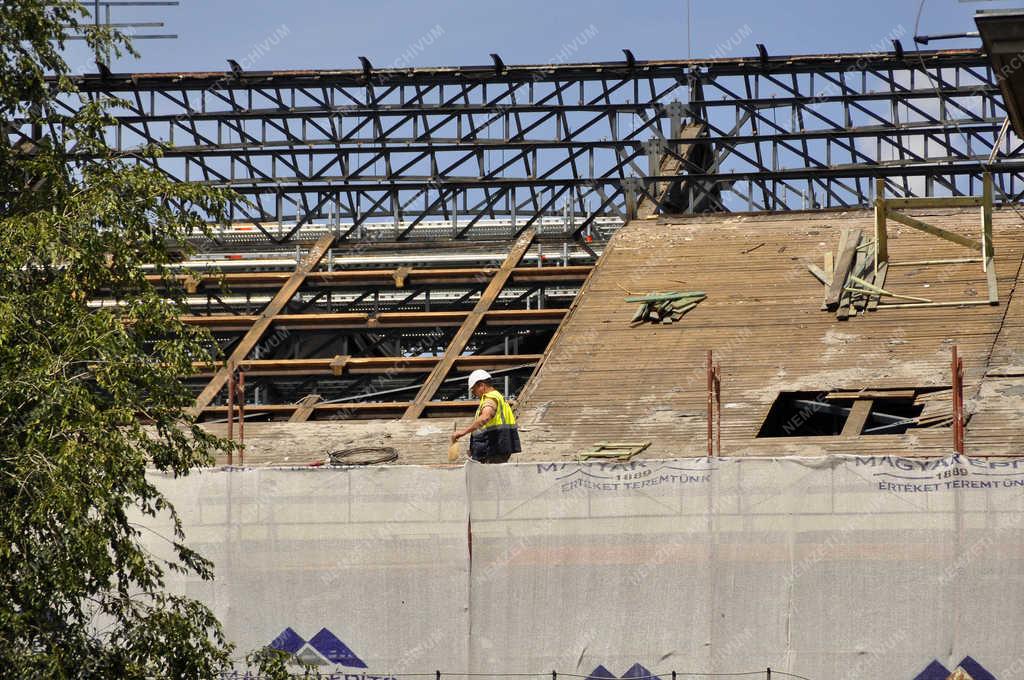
(356, 571)
(827, 568)
(836, 567)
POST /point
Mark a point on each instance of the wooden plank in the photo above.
(465, 332)
(872, 394)
(961, 303)
(935, 202)
(986, 218)
(819, 274)
(883, 270)
(933, 230)
(857, 418)
(847, 306)
(844, 234)
(266, 317)
(993, 287)
(304, 409)
(919, 263)
(988, 251)
(881, 235)
(665, 297)
(844, 262)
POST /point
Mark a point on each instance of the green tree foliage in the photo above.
(89, 397)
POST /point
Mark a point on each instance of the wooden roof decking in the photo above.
(605, 381)
(602, 380)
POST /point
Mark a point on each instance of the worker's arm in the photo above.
(486, 413)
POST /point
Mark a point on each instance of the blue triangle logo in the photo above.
(601, 673)
(975, 669)
(334, 649)
(288, 641)
(638, 672)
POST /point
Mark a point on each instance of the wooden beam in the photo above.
(361, 320)
(368, 365)
(361, 278)
(304, 409)
(881, 232)
(883, 271)
(953, 303)
(988, 251)
(919, 263)
(844, 262)
(857, 418)
(990, 277)
(846, 302)
(465, 332)
(249, 340)
(372, 409)
(873, 394)
(935, 202)
(933, 230)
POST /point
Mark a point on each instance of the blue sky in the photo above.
(278, 34)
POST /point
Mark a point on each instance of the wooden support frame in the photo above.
(885, 209)
(616, 450)
(469, 326)
(266, 317)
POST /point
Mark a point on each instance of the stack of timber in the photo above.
(851, 283)
(665, 307)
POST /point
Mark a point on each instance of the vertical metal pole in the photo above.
(231, 411)
(455, 211)
(241, 416)
(958, 401)
(718, 409)
(710, 382)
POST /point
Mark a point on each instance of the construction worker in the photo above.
(494, 434)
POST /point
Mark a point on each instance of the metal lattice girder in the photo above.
(353, 147)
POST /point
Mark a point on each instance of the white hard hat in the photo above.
(476, 376)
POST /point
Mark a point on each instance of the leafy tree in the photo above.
(89, 397)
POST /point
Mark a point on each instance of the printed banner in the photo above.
(361, 572)
(836, 567)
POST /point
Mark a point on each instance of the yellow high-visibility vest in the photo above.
(502, 414)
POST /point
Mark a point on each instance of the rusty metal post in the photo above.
(231, 411)
(718, 409)
(711, 387)
(957, 371)
(241, 417)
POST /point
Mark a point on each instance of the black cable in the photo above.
(365, 455)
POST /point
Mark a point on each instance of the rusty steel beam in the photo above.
(361, 321)
(369, 365)
(377, 409)
(358, 278)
